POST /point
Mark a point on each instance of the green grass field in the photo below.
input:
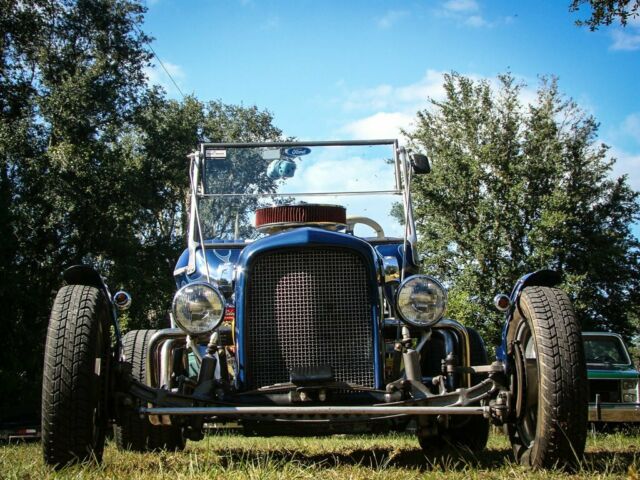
(397, 457)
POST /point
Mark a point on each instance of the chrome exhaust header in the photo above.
(159, 363)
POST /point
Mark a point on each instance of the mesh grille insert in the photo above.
(308, 307)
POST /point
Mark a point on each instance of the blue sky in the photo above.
(350, 69)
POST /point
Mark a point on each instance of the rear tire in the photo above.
(132, 432)
(464, 434)
(75, 377)
(550, 378)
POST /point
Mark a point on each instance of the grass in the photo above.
(231, 456)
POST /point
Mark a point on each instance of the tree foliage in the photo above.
(606, 12)
(155, 193)
(517, 187)
(93, 168)
(69, 75)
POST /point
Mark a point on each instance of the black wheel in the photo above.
(464, 433)
(75, 377)
(131, 431)
(549, 382)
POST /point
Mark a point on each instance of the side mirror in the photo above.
(420, 164)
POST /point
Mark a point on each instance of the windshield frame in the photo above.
(402, 173)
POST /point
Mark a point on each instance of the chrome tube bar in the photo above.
(155, 360)
(166, 361)
(152, 378)
(302, 194)
(409, 236)
(315, 410)
(329, 143)
(192, 243)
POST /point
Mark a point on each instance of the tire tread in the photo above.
(132, 432)
(69, 368)
(562, 419)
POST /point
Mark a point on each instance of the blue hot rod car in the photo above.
(297, 313)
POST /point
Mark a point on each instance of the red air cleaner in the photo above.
(297, 215)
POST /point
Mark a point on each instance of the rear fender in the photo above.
(542, 278)
(86, 275)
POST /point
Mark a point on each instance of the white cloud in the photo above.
(631, 126)
(476, 21)
(461, 6)
(412, 97)
(383, 97)
(627, 163)
(390, 18)
(368, 98)
(347, 172)
(388, 109)
(430, 86)
(156, 75)
(379, 125)
(627, 38)
(626, 134)
(469, 13)
(622, 40)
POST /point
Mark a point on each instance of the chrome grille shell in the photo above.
(309, 306)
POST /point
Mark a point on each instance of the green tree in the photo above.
(20, 137)
(70, 75)
(605, 12)
(93, 169)
(155, 187)
(515, 188)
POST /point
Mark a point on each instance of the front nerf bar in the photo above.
(316, 410)
(451, 403)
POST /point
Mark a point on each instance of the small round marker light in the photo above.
(502, 302)
(122, 300)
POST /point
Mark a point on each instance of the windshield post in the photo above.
(194, 160)
(409, 237)
(396, 161)
(195, 227)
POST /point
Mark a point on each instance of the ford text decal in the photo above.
(297, 151)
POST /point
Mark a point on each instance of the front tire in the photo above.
(75, 377)
(549, 381)
(133, 432)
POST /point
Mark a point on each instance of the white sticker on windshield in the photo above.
(270, 153)
(214, 153)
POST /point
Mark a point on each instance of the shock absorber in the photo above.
(206, 376)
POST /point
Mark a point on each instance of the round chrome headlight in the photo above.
(421, 300)
(198, 308)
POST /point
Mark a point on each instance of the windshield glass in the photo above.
(238, 180)
(605, 349)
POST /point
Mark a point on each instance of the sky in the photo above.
(363, 68)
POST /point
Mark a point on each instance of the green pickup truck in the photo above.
(614, 381)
